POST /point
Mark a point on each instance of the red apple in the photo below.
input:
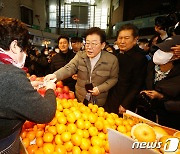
(71, 95)
(61, 96)
(28, 124)
(66, 89)
(32, 77)
(66, 95)
(59, 91)
(41, 91)
(59, 84)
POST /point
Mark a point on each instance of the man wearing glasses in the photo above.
(97, 70)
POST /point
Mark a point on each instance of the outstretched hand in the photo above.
(50, 77)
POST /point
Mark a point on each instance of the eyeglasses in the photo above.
(93, 45)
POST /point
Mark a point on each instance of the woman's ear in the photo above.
(14, 47)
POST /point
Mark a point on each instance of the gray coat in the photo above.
(104, 75)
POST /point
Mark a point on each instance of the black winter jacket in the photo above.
(59, 61)
(132, 72)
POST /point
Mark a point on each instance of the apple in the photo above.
(71, 95)
(59, 90)
(66, 89)
(61, 96)
(59, 84)
(32, 77)
(66, 95)
(28, 124)
(41, 91)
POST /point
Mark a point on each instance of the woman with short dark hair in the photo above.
(19, 101)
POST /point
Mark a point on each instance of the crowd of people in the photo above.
(136, 74)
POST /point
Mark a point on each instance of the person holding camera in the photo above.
(97, 70)
(162, 95)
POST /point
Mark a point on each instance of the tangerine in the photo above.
(84, 152)
(95, 140)
(26, 142)
(39, 151)
(60, 149)
(119, 121)
(85, 133)
(87, 125)
(76, 150)
(60, 128)
(68, 145)
(94, 108)
(41, 126)
(80, 132)
(72, 128)
(66, 136)
(52, 129)
(99, 125)
(31, 149)
(77, 114)
(48, 137)
(93, 131)
(121, 129)
(39, 141)
(62, 120)
(48, 148)
(95, 150)
(80, 123)
(39, 133)
(85, 116)
(92, 118)
(71, 117)
(58, 139)
(31, 135)
(53, 121)
(23, 134)
(76, 139)
(85, 144)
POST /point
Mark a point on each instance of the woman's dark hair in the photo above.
(63, 37)
(152, 39)
(98, 31)
(129, 26)
(162, 22)
(13, 29)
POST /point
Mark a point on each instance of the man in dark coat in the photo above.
(132, 71)
(62, 58)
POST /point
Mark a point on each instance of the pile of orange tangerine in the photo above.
(75, 129)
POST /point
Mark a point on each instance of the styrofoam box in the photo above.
(122, 144)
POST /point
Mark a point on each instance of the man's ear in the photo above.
(14, 47)
(136, 40)
(103, 45)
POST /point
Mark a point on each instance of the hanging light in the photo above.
(46, 43)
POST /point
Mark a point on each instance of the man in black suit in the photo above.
(132, 71)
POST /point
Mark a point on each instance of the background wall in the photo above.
(12, 9)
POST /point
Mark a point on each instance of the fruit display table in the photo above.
(78, 129)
